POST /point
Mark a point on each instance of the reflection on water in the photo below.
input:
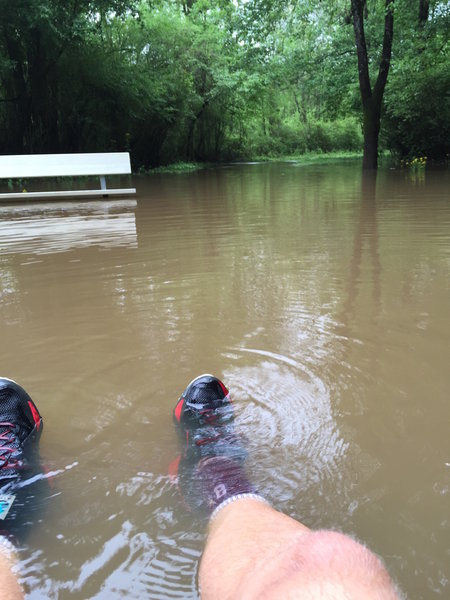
(61, 226)
(319, 296)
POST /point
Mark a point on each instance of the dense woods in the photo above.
(211, 80)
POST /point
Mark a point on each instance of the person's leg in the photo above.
(9, 586)
(255, 552)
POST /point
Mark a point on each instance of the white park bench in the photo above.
(65, 165)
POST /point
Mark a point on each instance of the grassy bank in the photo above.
(313, 157)
(306, 159)
(178, 167)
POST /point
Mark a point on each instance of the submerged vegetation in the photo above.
(177, 167)
(191, 81)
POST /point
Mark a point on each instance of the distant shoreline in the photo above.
(308, 158)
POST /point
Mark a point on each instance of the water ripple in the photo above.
(284, 411)
(145, 552)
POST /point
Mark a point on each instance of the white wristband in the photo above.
(246, 496)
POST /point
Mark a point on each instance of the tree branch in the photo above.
(386, 52)
(361, 49)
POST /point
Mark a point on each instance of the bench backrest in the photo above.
(59, 165)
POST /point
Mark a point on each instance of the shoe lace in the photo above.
(8, 444)
(209, 416)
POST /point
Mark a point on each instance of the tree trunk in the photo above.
(17, 99)
(424, 9)
(301, 108)
(371, 125)
(372, 98)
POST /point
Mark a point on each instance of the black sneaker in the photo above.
(24, 487)
(206, 400)
(204, 419)
(20, 428)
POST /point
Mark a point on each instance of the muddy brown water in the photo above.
(322, 299)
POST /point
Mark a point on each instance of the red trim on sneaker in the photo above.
(173, 469)
(178, 409)
(204, 441)
(224, 390)
(36, 415)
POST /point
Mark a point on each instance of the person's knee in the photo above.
(333, 550)
(332, 565)
(317, 565)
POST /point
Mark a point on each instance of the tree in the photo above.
(416, 119)
(372, 97)
(220, 79)
(44, 46)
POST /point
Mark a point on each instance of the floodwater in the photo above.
(321, 298)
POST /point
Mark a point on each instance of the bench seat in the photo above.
(67, 193)
(33, 166)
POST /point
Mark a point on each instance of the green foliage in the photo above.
(417, 119)
(178, 167)
(206, 80)
(296, 137)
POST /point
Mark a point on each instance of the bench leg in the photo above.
(103, 185)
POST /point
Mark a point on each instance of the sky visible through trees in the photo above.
(215, 80)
